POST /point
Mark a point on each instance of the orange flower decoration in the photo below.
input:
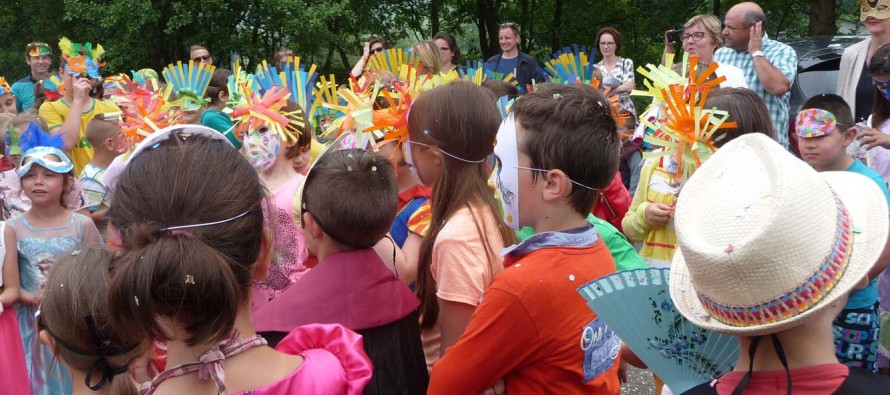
(78, 64)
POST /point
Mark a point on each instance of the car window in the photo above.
(814, 83)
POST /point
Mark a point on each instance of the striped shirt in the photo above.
(781, 57)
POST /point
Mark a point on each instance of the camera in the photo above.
(676, 35)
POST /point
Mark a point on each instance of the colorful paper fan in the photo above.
(357, 114)
(504, 105)
(267, 77)
(637, 305)
(476, 73)
(189, 82)
(53, 88)
(240, 82)
(144, 110)
(300, 81)
(571, 65)
(391, 60)
(268, 110)
(81, 59)
(4, 87)
(325, 93)
(411, 80)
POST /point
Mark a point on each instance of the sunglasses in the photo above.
(376, 50)
(202, 58)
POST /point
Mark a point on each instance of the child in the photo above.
(83, 96)
(768, 251)
(631, 156)
(74, 324)
(824, 129)
(12, 354)
(349, 202)
(649, 221)
(194, 243)
(213, 117)
(451, 132)
(7, 98)
(554, 153)
(268, 153)
(105, 136)
(44, 233)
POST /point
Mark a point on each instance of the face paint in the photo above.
(409, 160)
(878, 9)
(507, 169)
(262, 148)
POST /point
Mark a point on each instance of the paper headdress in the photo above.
(268, 110)
(81, 59)
(39, 49)
(4, 87)
(189, 81)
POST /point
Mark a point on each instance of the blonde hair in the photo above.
(428, 53)
(711, 24)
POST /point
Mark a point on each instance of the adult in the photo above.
(449, 50)
(282, 54)
(701, 37)
(429, 59)
(200, 54)
(522, 65)
(38, 56)
(618, 72)
(854, 83)
(769, 65)
(372, 47)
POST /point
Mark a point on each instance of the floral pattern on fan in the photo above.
(682, 348)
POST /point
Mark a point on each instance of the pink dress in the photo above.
(290, 251)
(13, 370)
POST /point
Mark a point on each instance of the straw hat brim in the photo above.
(867, 207)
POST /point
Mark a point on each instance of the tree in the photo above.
(823, 14)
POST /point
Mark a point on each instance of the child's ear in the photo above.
(310, 227)
(849, 134)
(557, 185)
(267, 243)
(48, 340)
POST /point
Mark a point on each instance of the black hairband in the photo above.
(104, 348)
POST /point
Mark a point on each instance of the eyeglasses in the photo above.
(606, 43)
(376, 50)
(444, 49)
(696, 37)
(202, 58)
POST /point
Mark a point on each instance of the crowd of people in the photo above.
(425, 226)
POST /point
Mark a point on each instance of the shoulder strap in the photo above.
(861, 382)
(702, 389)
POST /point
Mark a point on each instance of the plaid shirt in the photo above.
(781, 57)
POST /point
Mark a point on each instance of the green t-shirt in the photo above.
(624, 254)
(220, 122)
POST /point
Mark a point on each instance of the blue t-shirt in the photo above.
(399, 230)
(24, 94)
(220, 122)
(507, 66)
(867, 296)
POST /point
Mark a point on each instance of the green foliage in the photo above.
(330, 33)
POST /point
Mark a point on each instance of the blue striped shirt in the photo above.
(781, 57)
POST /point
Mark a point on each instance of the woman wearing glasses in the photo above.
(618, 72)
(701, 37)
(372, 47)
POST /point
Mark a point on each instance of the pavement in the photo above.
(639, 382)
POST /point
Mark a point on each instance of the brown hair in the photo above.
(219, 82)
(76, 298)
(615, 35)
(510, 25)
(301, 126)
(200, 276)
(501, 88)
(99, 129)
(278, 58)
(745, 108)
(380, 40)
(568, 127)
(353, 197)
(879, 64)
(462, 119)
(452, 45)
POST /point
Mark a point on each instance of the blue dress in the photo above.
(38, 250)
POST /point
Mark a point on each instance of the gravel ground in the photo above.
(639, 382)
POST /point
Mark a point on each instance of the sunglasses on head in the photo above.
(201, 58)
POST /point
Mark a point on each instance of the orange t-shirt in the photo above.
(535, 331)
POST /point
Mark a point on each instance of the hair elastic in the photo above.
(173, 228)
(446, 152)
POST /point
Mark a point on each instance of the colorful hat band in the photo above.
(40, 50)
(814, 122)
(801, 298)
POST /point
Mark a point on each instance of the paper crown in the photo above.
(81, 59)
(144, 109)
(571, 65)
(4, 87)
(391, 60)
(39, 49)
(686, 131)
(268, 110)
(240, 82)
(189, 81)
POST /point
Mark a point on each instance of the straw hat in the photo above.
(766, 242)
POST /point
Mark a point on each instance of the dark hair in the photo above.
(462, 119)
(301, 126)
(278, 58)
(452, 45)
(745, 108)
(880, 64)
(567, 127)
(39, 95)
(198, 276)
(615, 35)
(833, 104)
(219, 82)
(380, 40)
(353, 197)
(77, 297)
(501, 88)
(510, 25)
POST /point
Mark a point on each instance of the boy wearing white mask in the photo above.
(557, 147)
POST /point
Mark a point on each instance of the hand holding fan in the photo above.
(637, 305)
